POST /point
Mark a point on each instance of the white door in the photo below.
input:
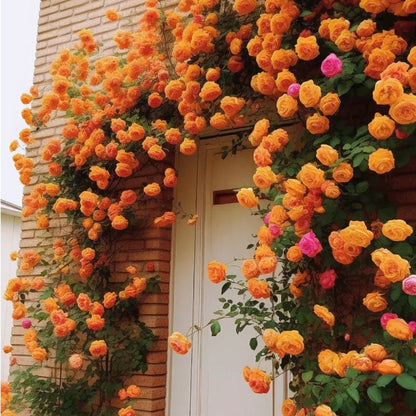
(208, 380)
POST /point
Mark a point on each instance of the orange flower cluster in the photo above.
(373, 358)
(258, 380)
(286, 342)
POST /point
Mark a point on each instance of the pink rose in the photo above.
(275, 230)
(386, 317)
(331, 65)
(310, 245)
(26, 323)
(412, 326)
(267, 218)
(327, 279)
(409, 285)
(293, 90)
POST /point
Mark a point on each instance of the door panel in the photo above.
(208, 381)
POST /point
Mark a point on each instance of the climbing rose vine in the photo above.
(328, 288)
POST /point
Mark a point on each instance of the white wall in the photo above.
(10, 236)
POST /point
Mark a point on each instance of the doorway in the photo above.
(208, 380)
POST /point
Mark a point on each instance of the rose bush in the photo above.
(332, 267)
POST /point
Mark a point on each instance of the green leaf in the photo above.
(359, 78)
(353, 393)
(215, 328)
(410, 362)
(384, 380)
(362, 187)
(344, 87)
(358, 159)
(307, 376)
(225, 287)
(406, 381)
(410, 399)
(305, 13)
(374, 393)
(403, 249)
(253, 343)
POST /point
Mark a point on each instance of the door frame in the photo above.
(192, 243)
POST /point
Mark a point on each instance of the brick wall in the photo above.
(59, 23)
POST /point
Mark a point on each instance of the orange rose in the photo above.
(210, 91)
(244, 6)
(119, 222)
(343, 173)
(267, 264)
(346, 41)
(309, 94)
(19, 310)
(378, 60)
(84, 302)
(329, 104)
(258, 380)
(366, 28)
(156, 152)
(264, 83)
(323, 313)
(187, 147)
(287, 106)
(375, 352)
(270, 337)
(317, 124)
(126, 411)
(399, 328)
(133, 391)
(389, 366)
(307, 48)
(219, 121)
(284, 79)
(258, 288)
(231, 105)
(403, 111)
(109, 299)
(39, 354)
(327, 155)
(280, 23)
(246, 198)
(332, 191)
(264, 177)
(290, 342)
(179, 343)
(249, 269)
(362, 363)
(216, 271)
(152, 189)
(311, 176)
(327, 361)
(397, 230)
(381, 127)
(336, 26)
(295, 188)
(98, 348)
(294, 254)
(324, 410)
(387, 91)
(357, 234)
(95, 322)
(375, 302)
(288, 408)
(381, 161)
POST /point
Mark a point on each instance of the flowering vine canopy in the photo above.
(329, 287)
